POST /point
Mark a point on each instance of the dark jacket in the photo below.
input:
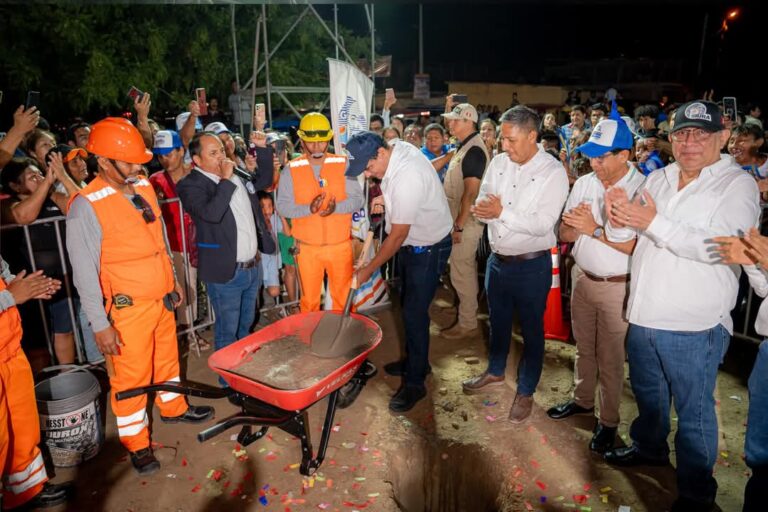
(208, 205)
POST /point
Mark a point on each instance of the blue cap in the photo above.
(166, 141)
(360, 149)
(609, 135)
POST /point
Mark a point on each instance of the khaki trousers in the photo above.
(464, 274)
(600, 330)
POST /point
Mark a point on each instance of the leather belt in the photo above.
(521, 257)
(612, 279)
(250, 263)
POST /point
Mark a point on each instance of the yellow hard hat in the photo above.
(315, 127)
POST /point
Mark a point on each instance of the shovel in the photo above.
(336, 334)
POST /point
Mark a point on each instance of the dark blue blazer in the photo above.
(208, 205)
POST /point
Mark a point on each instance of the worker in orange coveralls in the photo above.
(319, 199)
(122, 269)
(25, 481)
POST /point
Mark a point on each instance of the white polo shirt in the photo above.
(413, 195)
(591, 254)
(676, 284)
(532, 198)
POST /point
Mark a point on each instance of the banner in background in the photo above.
(351, 102)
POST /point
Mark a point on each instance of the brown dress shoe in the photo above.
(484, 380)
(521, 408)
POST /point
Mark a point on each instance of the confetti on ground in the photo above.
(604, 498)
(735, 397)
(360, 479)
(196, 488)
(349, 446)
(488, 403)
(724, 455)
(587, 487)
(336, 427)
(184, 461)
(490, 418)
(535, 463)
(543, 499)
(271, 456)
(541, 485)
(624, 508)
(605, 489)
(580, 498)
(324, 505)
(373, 495)
(528, 506)
(171, 475)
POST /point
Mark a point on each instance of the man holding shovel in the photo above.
(418, 224)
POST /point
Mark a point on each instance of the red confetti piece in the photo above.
(544, 440)
(528, 506)
(517, 473)
(519, 489)
(580, 498)
(587, 486)
(217, 475)
(196, 488)
(541, 485)
(226, 484)
(535, 464)
(183, 461)
(356, 505)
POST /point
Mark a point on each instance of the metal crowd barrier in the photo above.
(68, 286)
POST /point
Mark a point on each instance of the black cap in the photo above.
(699, 114)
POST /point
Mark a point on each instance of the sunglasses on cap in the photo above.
(316, 133)
(146, 211)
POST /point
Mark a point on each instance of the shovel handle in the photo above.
(361, 258)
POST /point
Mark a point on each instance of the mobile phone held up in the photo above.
(134, 93)
(260, 114)
(201, 102)
(729, 107)
(33, 100)
(460, 98)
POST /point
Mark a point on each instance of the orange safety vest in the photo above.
(134, 259)
(314, 229)
(10, 330)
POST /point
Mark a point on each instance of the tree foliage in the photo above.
(84, 58)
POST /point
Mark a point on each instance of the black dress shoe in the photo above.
(349, 392)
(50, 496)
(194, 414)
(406, 397)
(569, 408)
(682, 504)
(144, 461)
(397, 368)
(603, 439)
(628, 456)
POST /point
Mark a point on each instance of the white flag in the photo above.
(351, 102)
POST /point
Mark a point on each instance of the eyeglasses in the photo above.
(316, 133)
(695, 134)
(146, 211)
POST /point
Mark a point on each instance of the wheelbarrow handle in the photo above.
(183, 388)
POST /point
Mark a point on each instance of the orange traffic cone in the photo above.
(555, 326)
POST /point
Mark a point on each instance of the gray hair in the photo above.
(523, 117)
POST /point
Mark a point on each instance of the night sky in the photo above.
(513, 41)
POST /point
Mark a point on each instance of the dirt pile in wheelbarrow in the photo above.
(288, 363)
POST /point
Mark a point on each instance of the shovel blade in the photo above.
(336, 335)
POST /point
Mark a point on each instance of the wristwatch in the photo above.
(457, 229)
(598, 232)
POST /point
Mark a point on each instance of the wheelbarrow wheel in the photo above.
(349, 392)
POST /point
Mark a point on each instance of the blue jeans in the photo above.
(680, 366)
(420, 271)
(521, 286)
(756, 443)
(234, 303)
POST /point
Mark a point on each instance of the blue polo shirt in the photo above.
(431, 156)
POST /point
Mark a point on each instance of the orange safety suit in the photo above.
(23, 468)
(135, 274)
(325, 243)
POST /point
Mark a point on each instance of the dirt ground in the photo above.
(452, 452)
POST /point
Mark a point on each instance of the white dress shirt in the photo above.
(676, 283)
(532, 198)
(591, 254)
(413, 195)
(758, 278)
(247, 243)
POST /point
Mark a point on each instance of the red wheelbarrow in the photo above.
(271, 392)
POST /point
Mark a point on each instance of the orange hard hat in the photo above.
(118, 139)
